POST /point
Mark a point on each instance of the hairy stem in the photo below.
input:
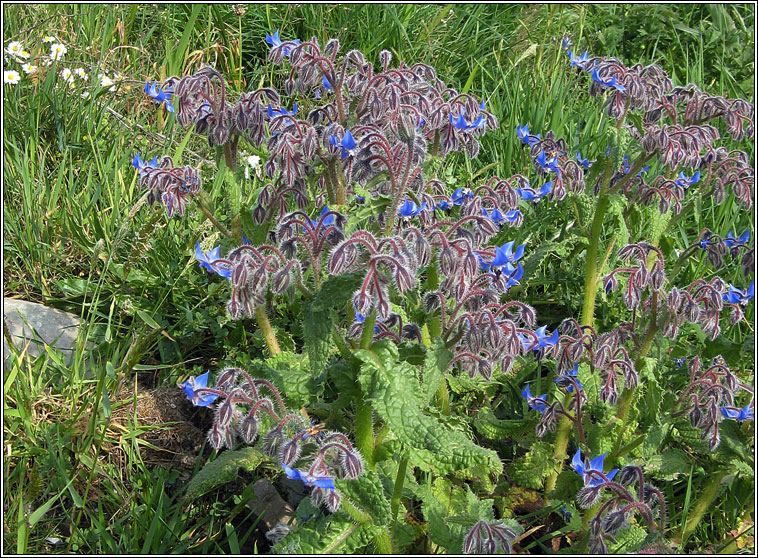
(204, 208)
(398, 489)
(268, 332)
(364, 423)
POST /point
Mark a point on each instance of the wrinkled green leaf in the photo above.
(317, 334)
(394, 392)
(437, 358)
(221, 470)
(367, 494)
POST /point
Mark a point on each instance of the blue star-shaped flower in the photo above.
(679, 362)
(543, 340)
(685, 182)
(536, 403)
(577, 60)
(536, 195)
(139, 164)
(586, 468)
(496, 216)
(410, 209)
(610, 83)
(275, 41)
(460, 194)
(328, 221)
(461, 124)
(740, 415)
(573, 373)
(308, 480)
(192, 385)
(731, 241)
(207, 259)
(272, 112)
(159, 95)
(584, 162)
(737, 296)
(347, 143)
(522, 133)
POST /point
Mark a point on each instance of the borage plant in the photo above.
(405, 290)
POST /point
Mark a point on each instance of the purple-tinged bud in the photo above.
(248, 429)
(448, 261)
(412, 331)
(472, 542)
(383, 307)
(490, 546)
(748, 261)
(289, 452)
(404, 280)
(657, 279)
(696, 417)
(650, 494)
(610, 283)
(674, 300)
(737, 315)
(588, 496)
(362, 303)
(576, 351)
(216, 437)
(692, 311)
(628, 475)
(226, 378)
(484, 367)
(224, 413)
(259, 214)
(432, 301)
(613, 522)
(331, 500)
(272, 441)
(352, 464)
(239, 275)
(281, 281)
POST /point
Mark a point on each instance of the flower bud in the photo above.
(352, 464)
(588, 497)
(289, 452)
(613, 522)
(248, 429)
(272, 441)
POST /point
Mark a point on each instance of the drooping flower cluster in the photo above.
(615, 513)
(242, 410)
(172, 186)
(489, 537)
(569, 381)
(710, 398)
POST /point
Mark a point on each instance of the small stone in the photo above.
(270, 506)
(38, 325)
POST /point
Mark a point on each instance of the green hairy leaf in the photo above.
(433, 372)
(336, 291)
(317, 328)
(531, 469)
(393, 390)
(333, 534)
(492, 427)
(221, 470)
(367, 494)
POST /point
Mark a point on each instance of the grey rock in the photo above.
(270, 506)
(37, 325)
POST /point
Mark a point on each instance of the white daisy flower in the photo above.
(29, 68)
(85, 95)
(105, 81)
(24, 55)
(118, 78)
(14, 48)
(57, 50)
(67, 75)
(49, 39)
(11, 77)
(79, 72)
